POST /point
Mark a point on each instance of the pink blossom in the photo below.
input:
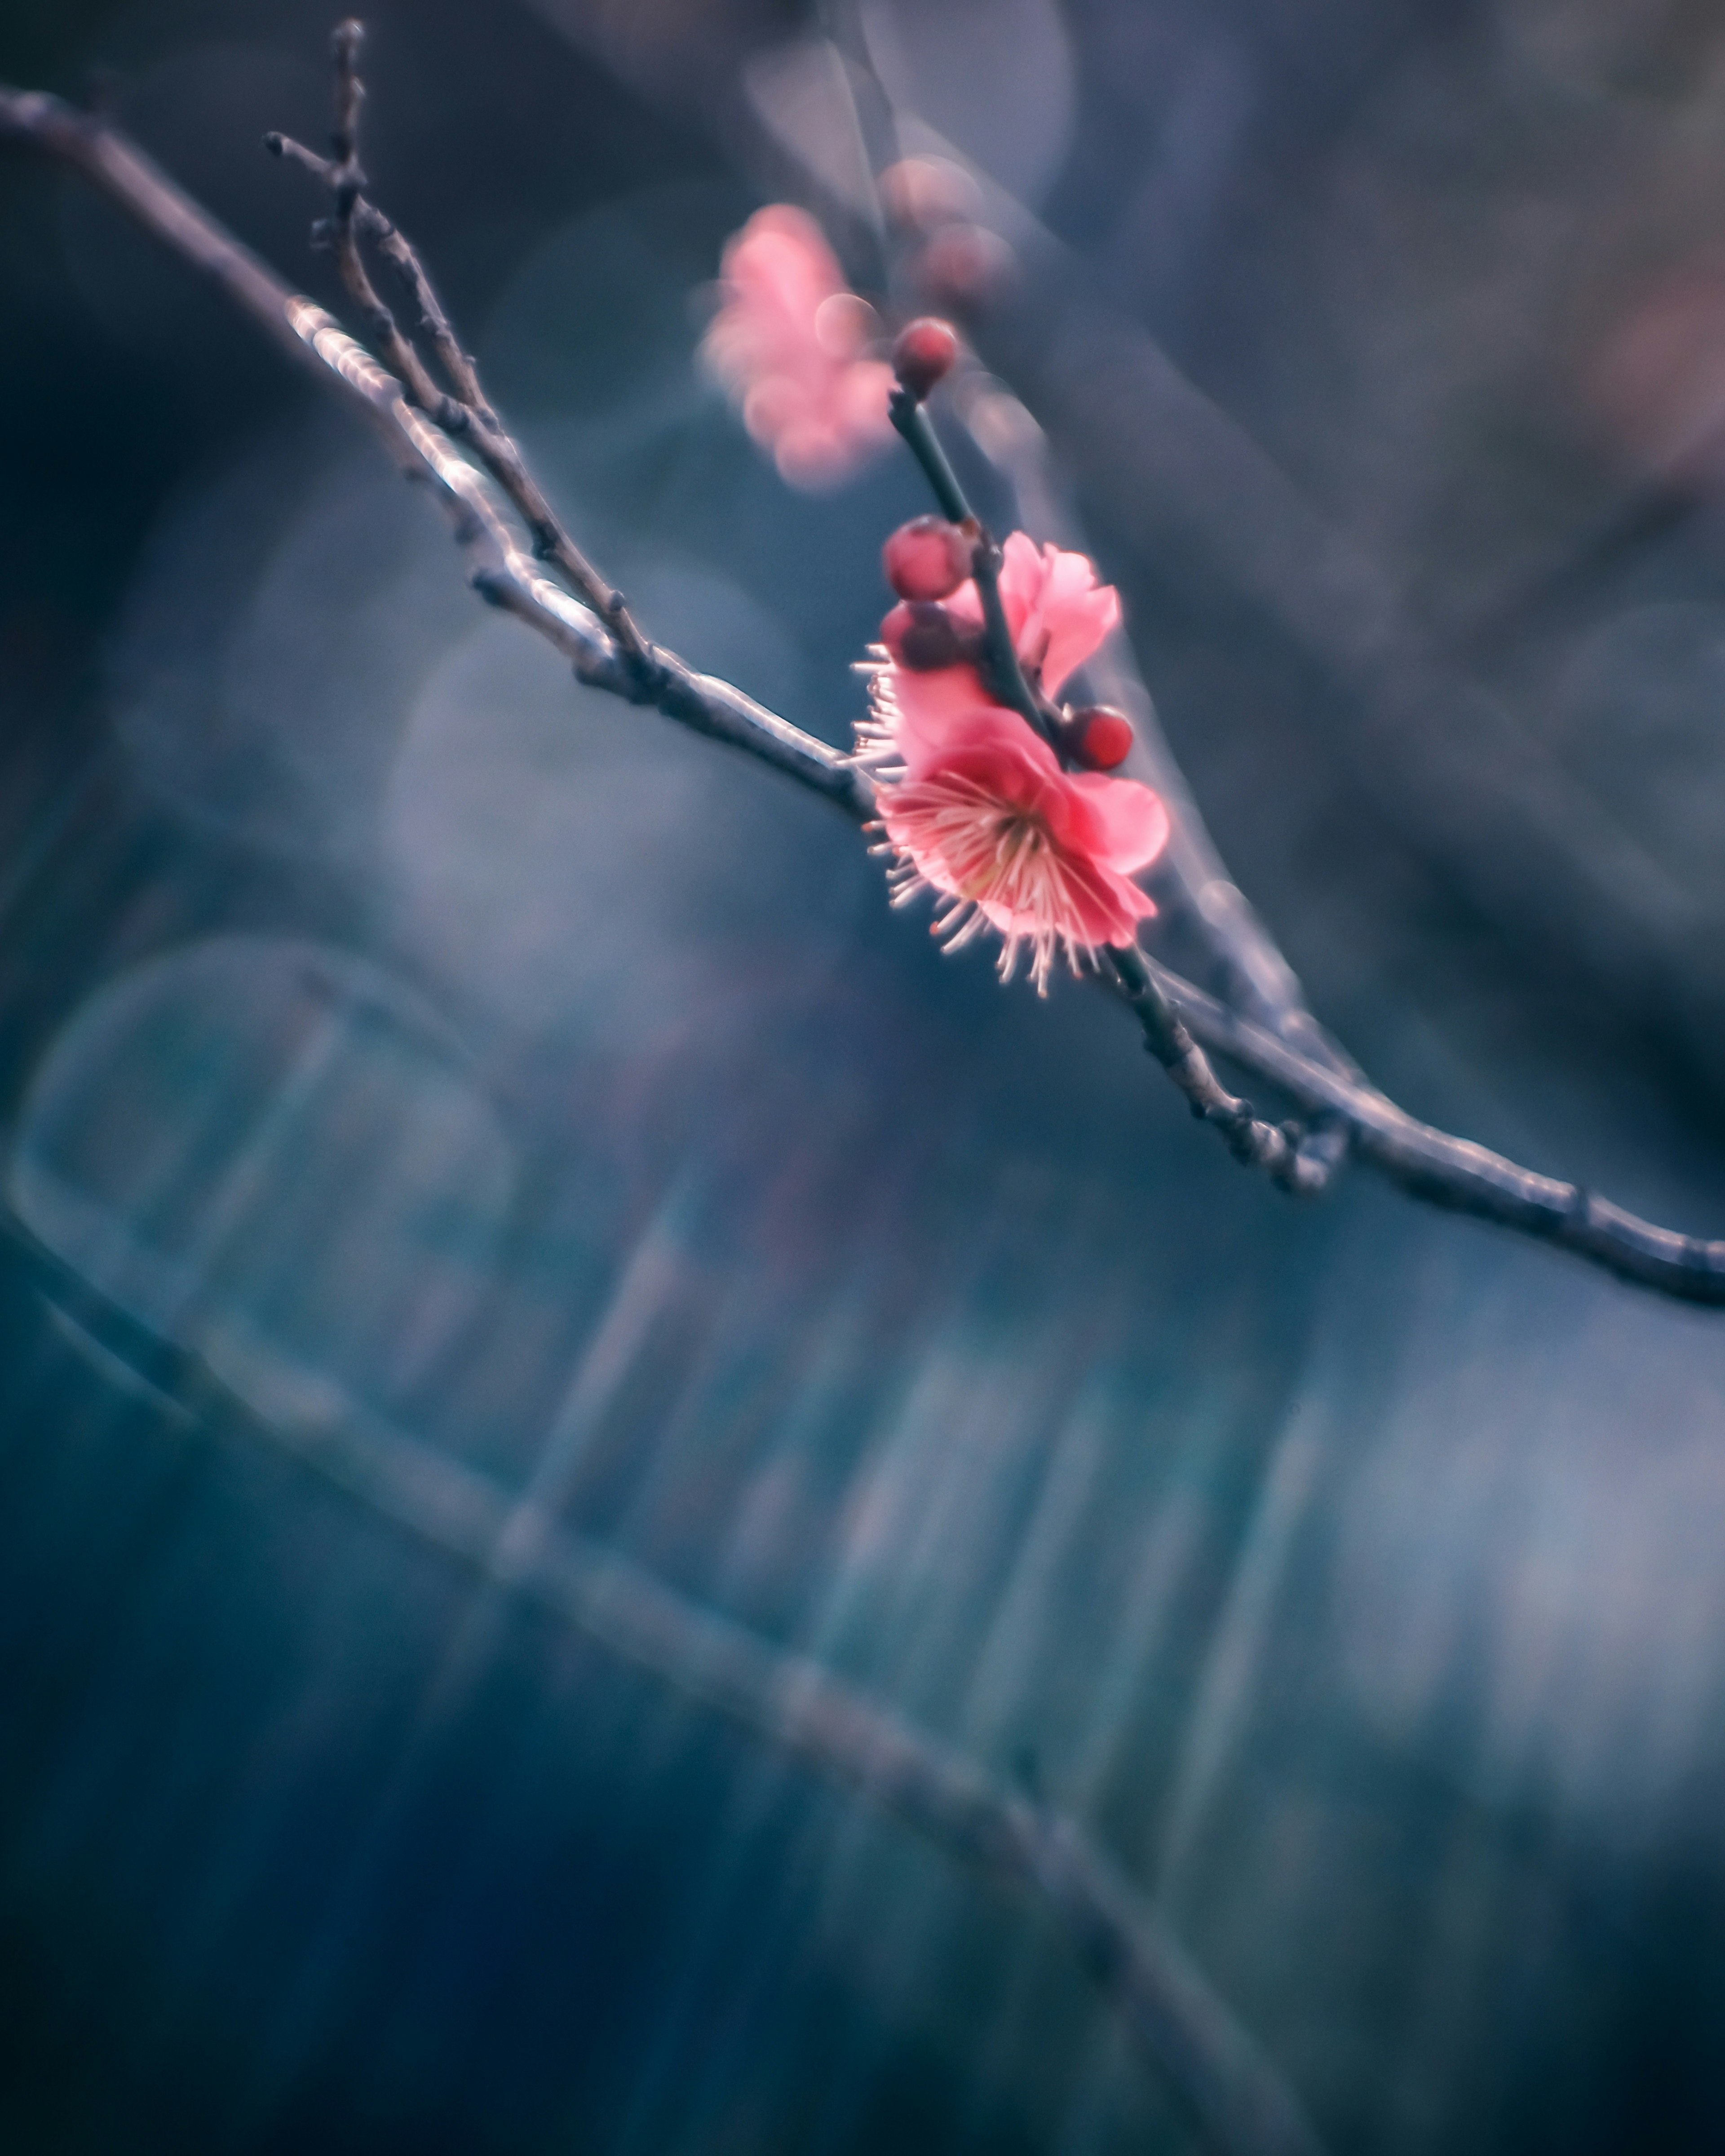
(979, 809)
(1057, 611)
(1058, 614)
(974, 803)
(788, 344)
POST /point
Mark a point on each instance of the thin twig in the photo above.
(1006, 675)
(347, 182)
(1255, 976)
(498, 568)
(1275, 1148)
(236, 1389)
(370, 222)
(1282, 1150)
(1431, 1165)
(467, 413)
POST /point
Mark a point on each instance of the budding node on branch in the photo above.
(927, 558)
(924, 637)
(925, 354)
(1102, 737)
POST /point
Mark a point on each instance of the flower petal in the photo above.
(1075, 622)
(1129, 821)
(937, 715)
(1021, 580)
(1057, 611)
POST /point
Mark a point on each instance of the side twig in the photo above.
(1429, 1164)
(1256, 977)
(1275, 1148)
(459, 366)
(1006, 675)
(1239, 2103)
(499, 569)
(1302, 1162)
(467, 414)
(346, 179)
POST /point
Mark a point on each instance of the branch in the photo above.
(468, 415)
(1449, 1172)
(1234, 2094)
(1428, 1163)
(498, 568)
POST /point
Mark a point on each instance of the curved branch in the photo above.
(499, 568)
(1429, 1163)
(1234, 2094)
(1450, 1172)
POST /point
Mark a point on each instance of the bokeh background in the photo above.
(544, 1082)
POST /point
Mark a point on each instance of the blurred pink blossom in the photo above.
(789, 343)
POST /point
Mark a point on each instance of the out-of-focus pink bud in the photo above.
(1102, 737)
(921, 193)
(925, 559)
(1656, 380)
(925, 354)
(964, 266)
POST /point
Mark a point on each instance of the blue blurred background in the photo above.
(557, 1089)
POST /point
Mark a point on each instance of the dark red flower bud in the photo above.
(924, 637)
(924, 354)
(925, 559)
(1102, 737)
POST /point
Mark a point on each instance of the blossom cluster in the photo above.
(976, 806)
(975, 803)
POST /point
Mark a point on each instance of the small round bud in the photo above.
(924, 354)
(925, 559)
(924, 637)
(1102, 737)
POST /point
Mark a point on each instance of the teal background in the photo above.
(533, 1077)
